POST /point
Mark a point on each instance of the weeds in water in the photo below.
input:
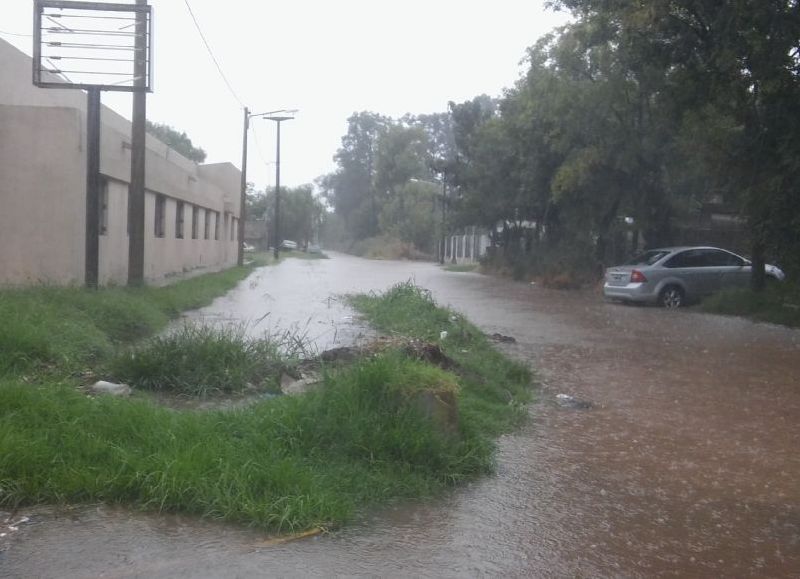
(461, 267)
(494, 389)
(201, 360)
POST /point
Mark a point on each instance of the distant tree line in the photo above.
(301, 212)
(387, 182)
(637, 110)
(178, 140)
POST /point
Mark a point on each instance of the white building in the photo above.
(191, 210)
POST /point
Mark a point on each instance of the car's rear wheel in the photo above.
(672, 297)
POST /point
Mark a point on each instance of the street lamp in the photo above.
(278, 117)
(242, 211)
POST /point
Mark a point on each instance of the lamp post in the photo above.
(288, 114)
(443, 247)
(278, 117)
(243, 197)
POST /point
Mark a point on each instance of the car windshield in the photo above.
(647, 258)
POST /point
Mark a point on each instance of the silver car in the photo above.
(673, 276)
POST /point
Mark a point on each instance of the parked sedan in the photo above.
(674, 275)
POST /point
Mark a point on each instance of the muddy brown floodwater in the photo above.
(685, 465)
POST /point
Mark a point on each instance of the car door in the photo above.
(687, 266)
(736, 272)
(716, 266)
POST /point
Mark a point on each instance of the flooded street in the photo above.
(686, 463)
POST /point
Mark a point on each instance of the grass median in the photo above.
(283, 464)
(777, 304)
(67, 329)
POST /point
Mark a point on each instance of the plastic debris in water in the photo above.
(103, 387)
(568, 401)
(442, 334)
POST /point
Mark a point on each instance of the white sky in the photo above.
(326, 58)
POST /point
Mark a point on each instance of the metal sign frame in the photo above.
(134, 10)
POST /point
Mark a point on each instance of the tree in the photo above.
(380, 157)
(410, 215)
(302, 213)
(177, 140)
(351, 189)
(402, 156)
(732, 67)
(256, 202)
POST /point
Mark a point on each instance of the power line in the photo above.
(16, 34)
(211, 53)
(258, 148)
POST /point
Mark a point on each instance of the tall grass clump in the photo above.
(199, 360)
(369, 413)
(494, 388)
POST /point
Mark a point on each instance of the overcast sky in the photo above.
(328, 59)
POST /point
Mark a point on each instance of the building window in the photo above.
(102, 209)
(195, 220)
(207, 224)
(179, 213)
(158, 222)
(216, 225)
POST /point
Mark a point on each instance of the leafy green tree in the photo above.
(256, 202)
(412, 216)
(402, 156)
(351, 189)
(302, 213)
(178, 140)
(731, 67)
(380, 158)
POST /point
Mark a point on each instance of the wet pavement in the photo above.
(685, 463)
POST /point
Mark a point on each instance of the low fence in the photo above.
(468, 247)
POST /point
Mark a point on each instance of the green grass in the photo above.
(777, 304)
(262, 258)
(386, 247)
(70, 328)
(297, 254)
(204, 360)
(461, 267)
(283, 464)
(494, 388)
(286, 464)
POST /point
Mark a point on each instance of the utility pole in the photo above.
(276, 247)
(136, 228)
(444, 217)
(272, 116)
(92, 266)
(243, 200)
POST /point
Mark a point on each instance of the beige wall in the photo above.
(43, 184)
(41, 200)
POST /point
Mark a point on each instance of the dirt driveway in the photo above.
(685, 463)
